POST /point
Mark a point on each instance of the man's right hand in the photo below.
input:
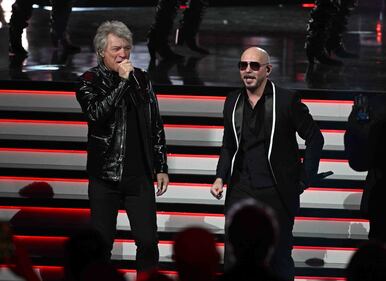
(217, 188)
(124, 68)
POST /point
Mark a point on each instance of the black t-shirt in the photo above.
(133, 164)
(251, 166)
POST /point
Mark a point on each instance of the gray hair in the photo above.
(111, 27)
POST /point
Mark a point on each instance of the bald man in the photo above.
(260, 157)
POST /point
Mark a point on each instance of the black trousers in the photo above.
(106, 199)
(281, 263)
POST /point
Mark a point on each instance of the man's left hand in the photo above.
(162, 183)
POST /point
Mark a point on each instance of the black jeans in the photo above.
(105, 201)
(281, 263)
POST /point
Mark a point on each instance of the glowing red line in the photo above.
(308, 5)
(327, 101)
(330, 219)
(323, 248)
(44, 238)
(192, 155)
(191, 184)
(42, 179)
(167, 96)
(320, 278)
(31, 150)
(46, 209)
(192, 126)
(335, 189)
(334, 160)
(37, 92)
(328, 131)
(56, 122)
(190, 214)
(3, 178)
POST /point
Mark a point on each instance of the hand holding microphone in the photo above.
(124, 68)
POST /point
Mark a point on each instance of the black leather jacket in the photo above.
(100, 95)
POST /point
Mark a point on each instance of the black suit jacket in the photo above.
(284, 116)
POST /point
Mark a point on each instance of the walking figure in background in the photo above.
(60, 14)
(159, 33)
(327, 23)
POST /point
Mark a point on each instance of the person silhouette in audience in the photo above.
(364, 141)
(14, 256)
(154, 275)
(252, 233)
(196, 255)
(368, 263)
(81, 251)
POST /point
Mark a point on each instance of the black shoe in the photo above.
(342, 52)
(17, 50)
(321, 56)
(192, 44)
(163, 50)
(64, 43)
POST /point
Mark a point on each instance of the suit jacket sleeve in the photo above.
(308, 130)
(228, 144)
(158, 134)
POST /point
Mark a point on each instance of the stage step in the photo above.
(178, 163)
(178, 193)
(55, 273)
(183, 135)
(170, 105)
(39, 218)
(51, 248)
(51, 204)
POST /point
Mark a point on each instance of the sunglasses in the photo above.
(254, 65)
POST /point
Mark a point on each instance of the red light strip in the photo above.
(56, 122)
(328, 131)
(31, 150)
(86, 211)
(163, 96)
(39, 238)
(189, 214)
(192, 155)
(321, 278)
(41, 179)
(308, 5)
(330, 219)
(167, 272)
(47, 209)
(37, 92)
(324, 248)
(328, 101)
(86, 180)
(334, 160)
(169, 154)
(359, 190)
(168, 242)
(193, 126)
(192, 97)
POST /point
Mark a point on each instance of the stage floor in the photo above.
(225, 31)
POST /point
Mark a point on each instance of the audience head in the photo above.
(195, 254)
(368, 263)
(252, 232)
(101, 271)
(82, 250)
